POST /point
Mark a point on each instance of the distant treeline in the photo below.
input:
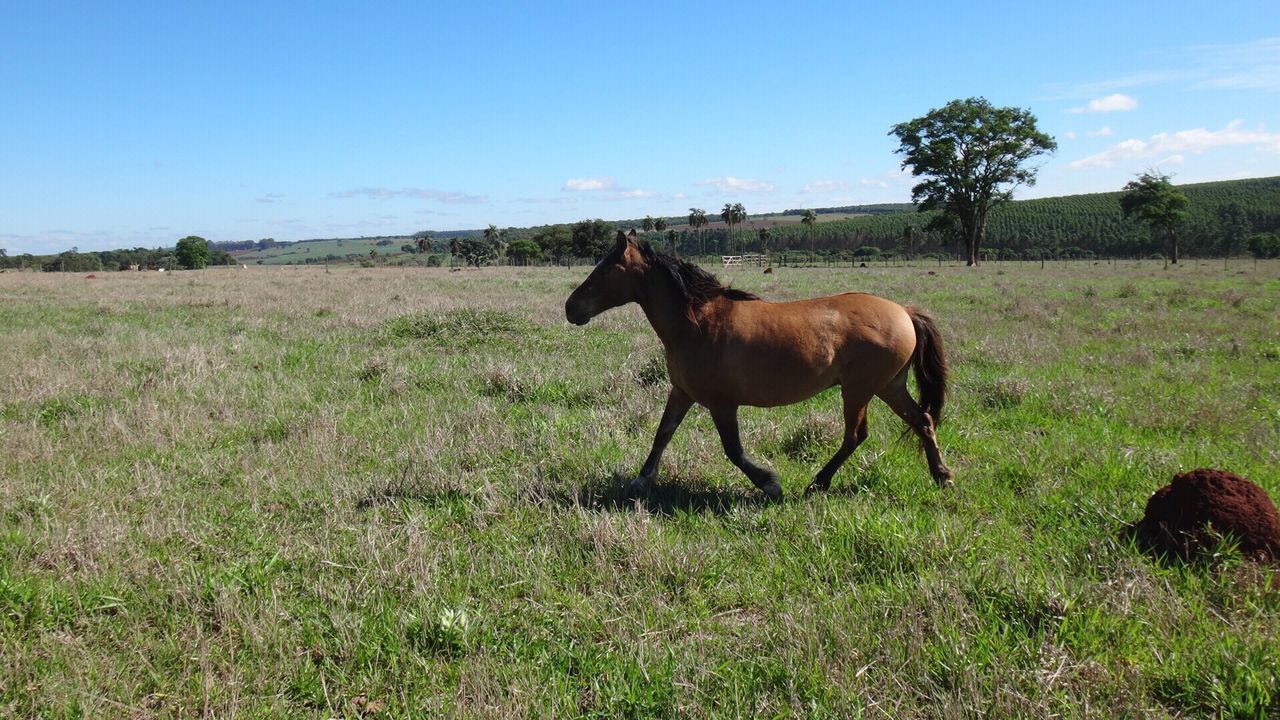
(878, 209)
(1224, 215)
(1227, 218)
(99, 260)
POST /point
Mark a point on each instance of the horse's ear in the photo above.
(632, 234)
(622, 239)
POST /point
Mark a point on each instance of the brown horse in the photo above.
(726, 348)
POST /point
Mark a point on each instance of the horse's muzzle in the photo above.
(576, 315)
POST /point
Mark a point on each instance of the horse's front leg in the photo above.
(678, 404)
(726, 419)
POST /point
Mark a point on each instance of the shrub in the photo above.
(1265, 245)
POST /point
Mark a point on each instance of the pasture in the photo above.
(396, 492)
(299, 253)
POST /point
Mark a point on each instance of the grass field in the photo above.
(300, 252)
(395, 493)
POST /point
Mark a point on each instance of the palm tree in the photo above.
(728, 215)
(697, 220)
(493, 236)
(810, 217)
(423, 244)
(660, 224)
(739, 214)
(647, 225)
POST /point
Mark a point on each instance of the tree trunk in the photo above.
(1173, 247)
(971, 241)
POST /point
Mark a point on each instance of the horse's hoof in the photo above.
(772, 492)
(945, 480)
(638, 487)
(814, 489)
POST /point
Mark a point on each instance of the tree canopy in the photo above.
(522, 250)
(592, 238)
(971, 155)
(476, 251)
(192, 252)
(1156, 201)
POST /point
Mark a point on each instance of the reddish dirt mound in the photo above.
(90, 277)
(1179, 515)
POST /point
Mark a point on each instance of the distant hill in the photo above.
(877, 209)
(1091, 222)
(1071, 224)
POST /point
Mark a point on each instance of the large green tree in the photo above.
(592, 238)
(1156, 201)
(192, 252)
(477, 251)
(555, 241)
(523, 250)
(971, 155)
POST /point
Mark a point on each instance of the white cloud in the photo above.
(1174, 159)
(1194, 141)
(825, 186)
(631, 194)
(730, 184)
(587, 184)
(1104, 131)
(1115, 102)
(1069, 135)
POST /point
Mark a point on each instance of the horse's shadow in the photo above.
(666, 497)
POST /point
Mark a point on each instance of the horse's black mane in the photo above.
(695, 285)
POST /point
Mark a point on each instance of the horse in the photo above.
(726, 348)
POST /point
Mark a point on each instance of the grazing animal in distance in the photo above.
(726, 348)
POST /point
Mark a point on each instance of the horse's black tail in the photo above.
(930, 364)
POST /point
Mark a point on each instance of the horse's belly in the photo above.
(758, 381)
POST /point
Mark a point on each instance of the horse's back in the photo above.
(849, 321)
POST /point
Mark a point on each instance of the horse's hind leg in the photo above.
(726, 420)
(855, 431)
(899, 398)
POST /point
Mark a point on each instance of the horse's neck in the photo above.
(668, 314)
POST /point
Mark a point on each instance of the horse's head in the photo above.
(615, 281)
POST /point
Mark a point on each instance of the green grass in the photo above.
(300, 252)
(397, 493)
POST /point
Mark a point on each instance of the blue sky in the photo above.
(128, 124)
